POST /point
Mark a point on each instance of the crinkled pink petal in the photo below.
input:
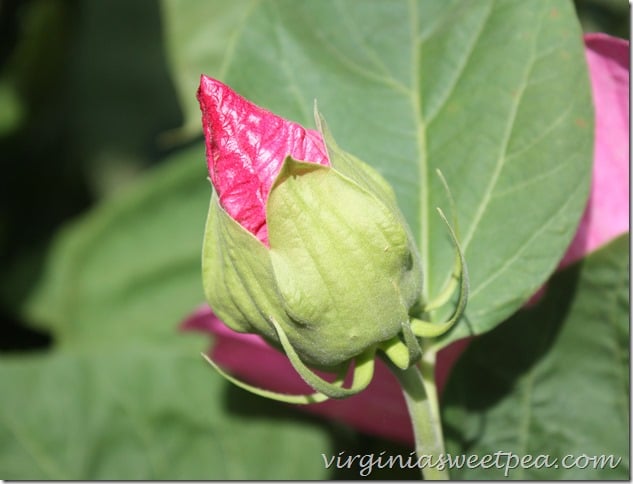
(380, 409)
(607, 212)
(246, 146)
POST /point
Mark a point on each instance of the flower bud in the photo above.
(304, 243)
(341, 271)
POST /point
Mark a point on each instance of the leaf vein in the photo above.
(293, 85)
(416, 103)
(531, 181)
(543, 134)
(44, 462)
(359, 69)
(496, 173)
(526, 243)
(236, 34)
(354, 32)
(430, 117)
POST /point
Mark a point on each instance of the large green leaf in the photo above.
(495, 94)
(552, 380)
(146, 413)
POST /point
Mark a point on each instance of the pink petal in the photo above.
(607, 212)
(246, 146)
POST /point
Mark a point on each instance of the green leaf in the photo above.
(146, 413)
(552, 380)
(200, 38)
(493, 93)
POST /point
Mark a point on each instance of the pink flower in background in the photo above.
(380, 409)
(607, 212)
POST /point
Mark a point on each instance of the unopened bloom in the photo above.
(304, 243)
(246, 146)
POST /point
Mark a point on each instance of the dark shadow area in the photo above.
(494, 362)
(42, 183)
(8, 28)
(15, 337)
(610, 16)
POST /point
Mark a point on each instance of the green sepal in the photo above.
(403, 351)
(350, 166)
(370, 179)
(316, 397)
(237, 275)
(427, 329)
(397, 352)
(363, 370)
(342, 260)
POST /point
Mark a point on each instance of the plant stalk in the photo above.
(420, 394)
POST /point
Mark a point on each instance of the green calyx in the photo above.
(339, 281)
(341, 261)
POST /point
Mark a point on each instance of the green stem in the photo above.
(420, 394)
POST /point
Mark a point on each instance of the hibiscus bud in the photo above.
(304, 243)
